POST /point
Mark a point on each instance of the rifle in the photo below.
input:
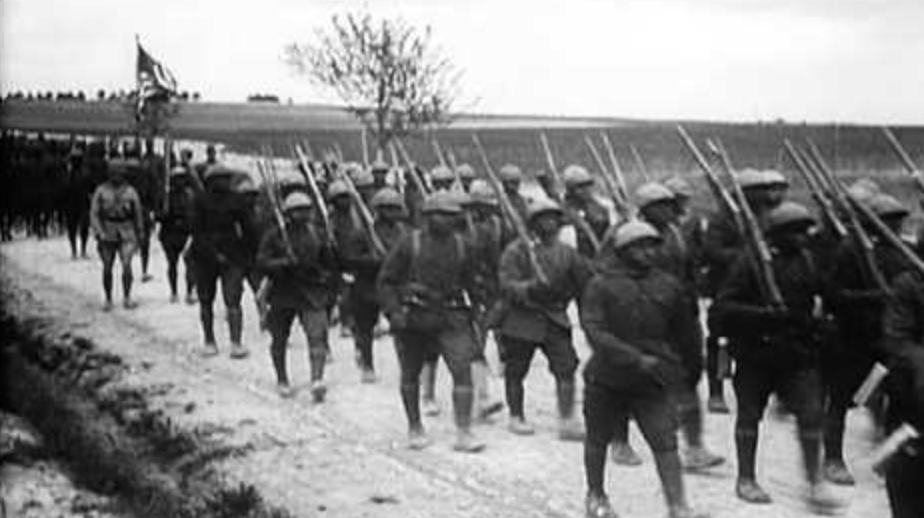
(270, 188)
(579, 223)
(759, 247)
(640, 163)
(905, 158)
(365, 215)
(857, 232)
(168, 149)
(617, 171)
(511, 212)
(854, 206)
(721, 194)
(817, 189)
(450, 162)
(399, 181)
(314, 189)
(619, 198)
(412, 171)
(363, 143)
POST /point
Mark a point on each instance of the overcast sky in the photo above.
(816, 60)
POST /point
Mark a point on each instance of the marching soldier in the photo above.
(903, 325)
(222, 229)
(638, 325)
(79, 190)
(777, 351)
(657, 206)
(467, 175)
(299, 265)
(537, 318)
(511, 177)
(442, 178)
(379, 170)
(857, 304)
(723, 243)
(175, 228)
(580, 203)
(423, 286)
(116, 219)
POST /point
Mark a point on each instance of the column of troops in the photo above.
(451, 254)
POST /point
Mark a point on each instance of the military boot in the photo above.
(466, 440)
(235, 329)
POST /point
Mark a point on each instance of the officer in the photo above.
(903, 325)
(638, 325)
(537, 318)
(857, 303)
(777, 350)
(658, 207)
(423, 286)
(580, 203)
(222, 229)
(299, 265)
(175, 227)
(116, 219)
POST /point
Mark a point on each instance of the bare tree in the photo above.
(388, 73)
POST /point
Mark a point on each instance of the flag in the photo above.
(154, 81)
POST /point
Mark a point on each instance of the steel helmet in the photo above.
(750, 178)
(441, 173)
(679, 186)
(481, 193)
(246, 186)
(773, 177)
(178, 171)
(652, 192)
(863, 190)
(576, 176)
(465, 171)
(539, 206)
(441, 202)
(379, 166)
(337, 188)
(510, 172)
(886, 206)
(363, 178)
(297, 200)
(633, 231)
(387, 197)
(789, 213)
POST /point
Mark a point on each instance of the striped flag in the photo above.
(154, 81)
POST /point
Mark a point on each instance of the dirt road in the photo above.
(345, 457)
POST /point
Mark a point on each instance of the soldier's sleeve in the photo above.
(903, 319)
(393, 275)
(736, 310)
(95, 223)
(596, 320)
(514, 276)
(271, 256)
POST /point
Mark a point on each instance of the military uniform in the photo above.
(536, 317)
(903, 325)
(222, 229)
(423, 287)
(176, 227)
(640, 332)
(299, 286)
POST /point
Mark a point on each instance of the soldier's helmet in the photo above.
(679, 186)
(246, 186)
(773, 178)
(789, 214)
(441, 202)
(379, 167)
(863, 190)
(466, 172)
(387, 197)
(441, 173)
(119, 166)
(750, 178)
(480, 193)
(886, 206)
(363, 178)
(652, 192)
(539, 206)
(297, 200)
(178, 171)
(337, 188)
(634, 231)
(220, 171)
(576, 176)
(510, 173)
